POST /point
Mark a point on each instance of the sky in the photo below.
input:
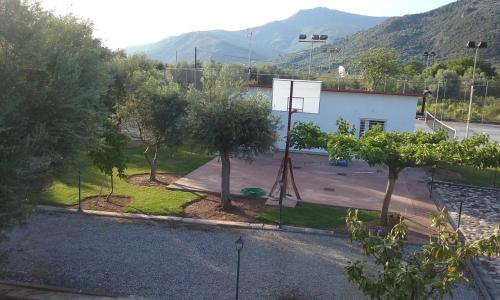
(124, 23)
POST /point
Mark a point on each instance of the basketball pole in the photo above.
(287, 154)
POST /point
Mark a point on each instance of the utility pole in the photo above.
(195, 56)
(176, 58)
(195, 65)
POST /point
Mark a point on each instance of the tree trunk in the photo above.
(112, 187)
(388, 195)
(226, 171)
(154, 163)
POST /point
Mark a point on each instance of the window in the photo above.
(367, 124)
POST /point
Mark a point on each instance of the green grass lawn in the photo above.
(475, 176)
(314, 215)
(150, 200)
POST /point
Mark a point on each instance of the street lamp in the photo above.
(239, 246)
(315, 38)
(477, 46)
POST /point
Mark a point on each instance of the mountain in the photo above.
(269, 40)
(444, 30)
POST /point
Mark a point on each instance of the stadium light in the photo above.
(315, 38)
(428, 55)
(477, 46)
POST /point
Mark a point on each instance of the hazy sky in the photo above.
(122, 23)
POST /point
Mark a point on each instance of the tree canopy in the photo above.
(377, 64)
(52, 77)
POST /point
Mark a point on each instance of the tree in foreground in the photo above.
(398, 150)
(156, 110)
(430, 272)
(109, 153)
(52, 78)
(229, 123)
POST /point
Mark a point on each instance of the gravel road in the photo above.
(167, 261)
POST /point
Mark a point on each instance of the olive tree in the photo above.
(228, 122)
(156, 109)
(52, 78)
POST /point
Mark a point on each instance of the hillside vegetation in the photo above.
(444, 30)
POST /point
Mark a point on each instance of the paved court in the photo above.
(358, 185)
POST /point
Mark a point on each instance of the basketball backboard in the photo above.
(306, 95)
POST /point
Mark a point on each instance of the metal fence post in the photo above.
(79, 192)
(433, 170)
(460, 209)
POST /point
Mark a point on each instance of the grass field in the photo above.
(313, 215)
(152, 200)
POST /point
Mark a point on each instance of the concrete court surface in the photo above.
(357, 186)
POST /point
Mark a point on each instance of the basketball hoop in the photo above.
(292, 96)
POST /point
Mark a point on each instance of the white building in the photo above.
(363, 109)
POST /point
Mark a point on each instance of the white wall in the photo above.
(398, 112)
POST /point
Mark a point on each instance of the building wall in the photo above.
(398, 112)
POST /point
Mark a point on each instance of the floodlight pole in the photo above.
(310, 59)
(471, 94)
(287, 154)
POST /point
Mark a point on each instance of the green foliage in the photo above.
(109, 152)
(378, 63)
(226, 122)
(307, 136)
(429, 272)
(342, 145)
(145, 199)
(52, 78)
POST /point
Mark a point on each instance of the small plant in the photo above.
(110, 153)
(428, 273)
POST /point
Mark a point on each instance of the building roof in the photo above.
(413, 95)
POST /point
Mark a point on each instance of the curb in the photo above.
(192, 221)
(29, 290)
(470, 265)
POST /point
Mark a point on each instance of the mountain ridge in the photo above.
(271, 39)
(444, 30)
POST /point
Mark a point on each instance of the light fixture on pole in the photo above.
(477, 46)
(315, 38)
(239, 246)
(428, 56)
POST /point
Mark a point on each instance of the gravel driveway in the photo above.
(158, 260)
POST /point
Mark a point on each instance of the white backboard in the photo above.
(306, 95)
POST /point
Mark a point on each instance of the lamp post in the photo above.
(315, 38)
(239, 246)
(477, 46)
